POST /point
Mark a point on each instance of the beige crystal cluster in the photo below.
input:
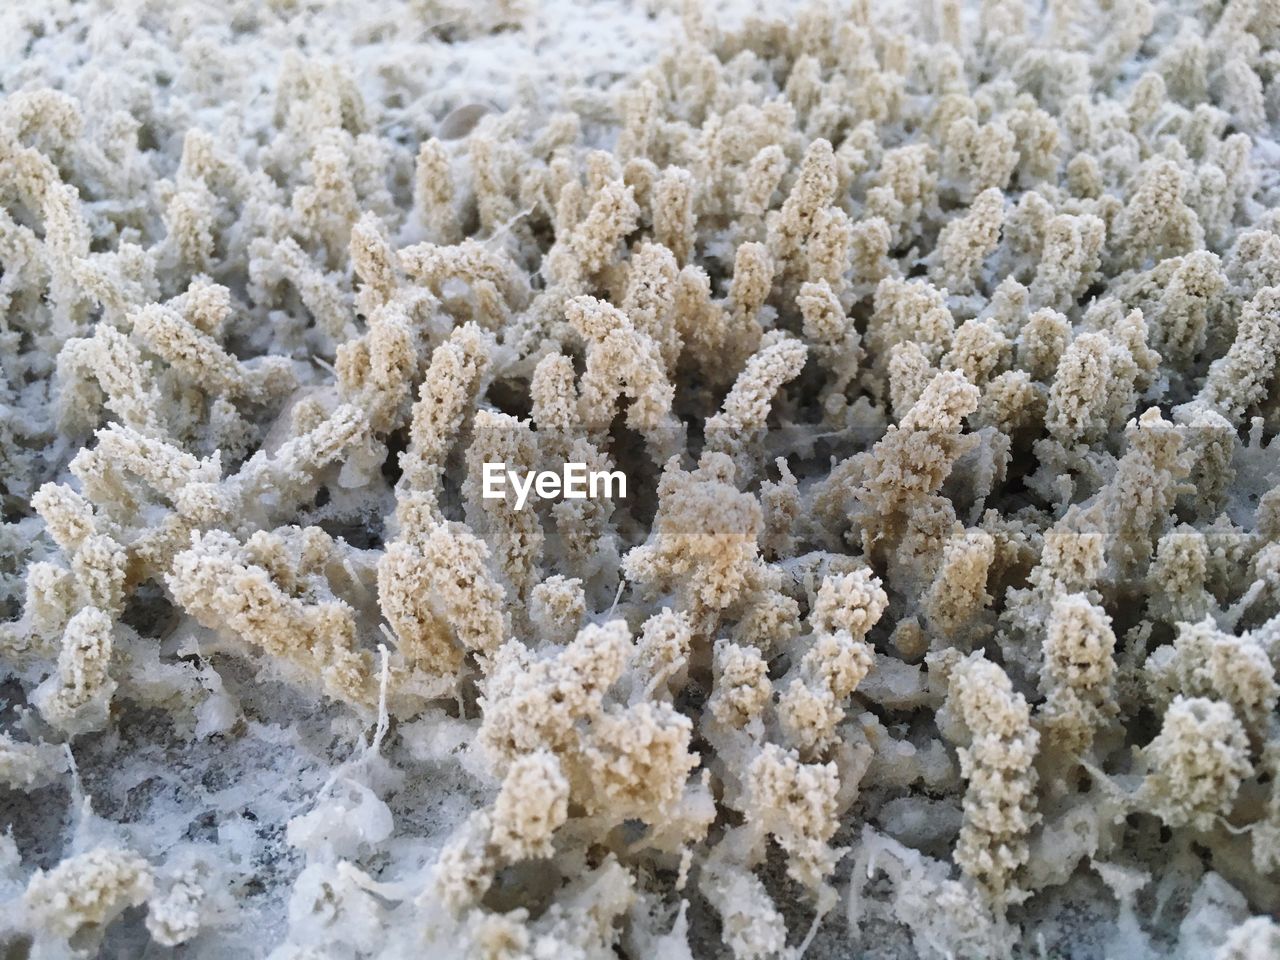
(939, 346)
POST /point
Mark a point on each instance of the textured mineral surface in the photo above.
(938, 344)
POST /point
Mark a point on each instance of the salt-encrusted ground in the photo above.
(939, 347)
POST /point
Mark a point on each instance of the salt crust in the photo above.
(939, 347)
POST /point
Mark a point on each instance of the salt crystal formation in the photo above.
(939, 349)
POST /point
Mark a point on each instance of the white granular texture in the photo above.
(938, 344)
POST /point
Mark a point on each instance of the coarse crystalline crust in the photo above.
(938, 348)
